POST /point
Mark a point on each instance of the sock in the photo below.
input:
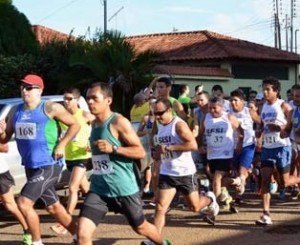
(266, 212)
(26, 231)
(146, 190)
(39, 242)
(75, 237)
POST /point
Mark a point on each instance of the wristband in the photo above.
(115, 149)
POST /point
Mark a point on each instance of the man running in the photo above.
(34, 123)
(114, 145)
(174, 143)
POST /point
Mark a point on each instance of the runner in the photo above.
(77, 155)
(243, 161)
(113, 184)
(218, 127)
(8, 199)
(276, 151)
(174, 143)
(34, 123)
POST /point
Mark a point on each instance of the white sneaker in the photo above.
(273, 187)
(241, 187)
(213, 208)
(224, 194)
(264, 220)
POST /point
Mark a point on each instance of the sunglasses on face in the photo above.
(68, 98)
(159, 113)
(29, 88)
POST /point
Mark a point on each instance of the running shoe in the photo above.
(213, 207)
(296, 195)
(233, 208)
(264, 220)
(273, 187)
(26, 239)
(241, 188)
(224, 194)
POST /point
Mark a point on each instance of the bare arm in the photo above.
(178, 108)
(58, 112)
(188, 140)
(6, 126)
(122, 130)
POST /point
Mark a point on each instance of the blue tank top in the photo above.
(36, 136)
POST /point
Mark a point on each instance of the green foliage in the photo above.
(13, 68)
(110, 58)
(16, 36)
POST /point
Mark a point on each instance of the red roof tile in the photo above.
(192, 70)
(45, 35)
(203, 45)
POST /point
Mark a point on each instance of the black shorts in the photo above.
(82, 163)
(41, 184)
(6, 181)
(223, 165)
(95, 208)
(184, 184)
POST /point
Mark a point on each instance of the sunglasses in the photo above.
(160, 113)
(69, 98)
(29, 88)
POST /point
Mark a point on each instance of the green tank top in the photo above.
(76, 149)
(172, 100)
(113, 175)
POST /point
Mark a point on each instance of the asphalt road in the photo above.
(183, 227)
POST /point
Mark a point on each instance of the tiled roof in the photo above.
(45, 34)
(191, 70)
(207, 45)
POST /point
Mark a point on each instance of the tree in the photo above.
(16, 36)
(110, 58)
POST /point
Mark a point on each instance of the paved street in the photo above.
(184, 227)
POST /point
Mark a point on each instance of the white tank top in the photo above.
(246, 123)
(272, 113)
(175, 163)
(3, 163)
(219, 137)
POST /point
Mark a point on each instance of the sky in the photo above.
(250, 20)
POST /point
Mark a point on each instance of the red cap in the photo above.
(33, 80)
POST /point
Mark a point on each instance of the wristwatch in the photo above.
(115, 149)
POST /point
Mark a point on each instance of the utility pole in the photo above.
(278, 25)
(296, 32)
(286, 33)
(277, 33)
(105, 16)
(292, 31)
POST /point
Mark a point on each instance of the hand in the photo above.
(104, 146)
(59, 152)
(284, 134)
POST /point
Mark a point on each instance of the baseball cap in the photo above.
(33, 80)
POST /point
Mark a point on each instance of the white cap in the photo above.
(259, 96)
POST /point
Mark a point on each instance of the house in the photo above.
(210, 58)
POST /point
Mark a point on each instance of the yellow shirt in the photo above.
(76, 149)
(137, 112)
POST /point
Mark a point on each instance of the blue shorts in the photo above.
(277, 157)
(245, 158)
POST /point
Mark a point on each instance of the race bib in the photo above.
(217, 140)
(25, 131)
(270, 139)
(102, 164)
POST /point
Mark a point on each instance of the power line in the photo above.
(57, 10)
